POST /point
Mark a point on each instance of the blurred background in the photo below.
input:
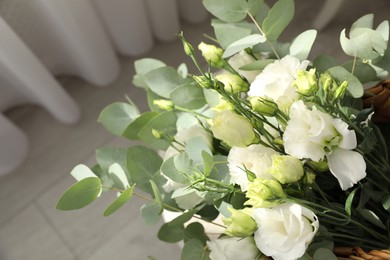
(61, 63)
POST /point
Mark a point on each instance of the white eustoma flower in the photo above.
(276, 81)
(255, 158)
(316, 135)
(233, 248)
(285, 231)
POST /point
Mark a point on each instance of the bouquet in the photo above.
(285, 155)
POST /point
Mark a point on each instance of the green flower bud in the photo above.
(340, 91)
(188, 49)
(309, 178)
(286, 168)
(329, 85)
(263, 105)
(240, 223)
(325, 81)
(164, 104)
(306, 82)
(156, 133)
(233, 83)
(320, 166)
(264, 193)
(212, 54)
(233, 129)
(203, 81)
(224, 105)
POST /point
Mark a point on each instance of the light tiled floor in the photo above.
(30, 226)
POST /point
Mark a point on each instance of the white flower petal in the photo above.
(347, 166)
(285, 231)
(349, 137)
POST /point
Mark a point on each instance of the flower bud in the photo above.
(340, 91)
(306, 82)
(212, 54)
(203, 81)
(156, 133)
(233, 83)
(263, 105)
(328, 84)
(233, 129)
(223, 105)
(240, 223)
(188, 49)
(164, 104)
(264, 193)
(320, 166)
(286, 168)
(309, 178)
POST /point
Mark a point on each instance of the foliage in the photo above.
(273, 149)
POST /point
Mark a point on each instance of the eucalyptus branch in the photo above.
(262, 32)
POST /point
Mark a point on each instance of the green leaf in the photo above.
(348, 202)
(371, 217)
(262, 13)
(255, 6)
(355, 87)
(189, 96)
(81, 171)
(168, 168)
(117, 116)
(119, 202)
(183, 70)
(316, 244)
(157, 195)
(302, 44)
(80, 194)
(118, 176)
(364, 72)
(164, 122)
(106, 156)
(171, 233)
(227, 10)
(142, 164)
(227, 33)
(324, 254)
(151, 213)
(278, 18)
(194, 250)
(135, 127)
(195, 230)
(220, 170)
(208, 163)
(324, 62)
(183, 218)
(257, 65)
(163, 81)
(184, 164)
(386, 202)
(194, 148)
(246, 42)
(142, 67)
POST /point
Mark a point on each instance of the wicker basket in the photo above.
(379, 97)
(359, 254)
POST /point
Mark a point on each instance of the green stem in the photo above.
(378, 245)
(262, 32)
(341, 215)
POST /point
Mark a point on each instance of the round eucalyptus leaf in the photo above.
(119, 202)
(80, 194)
